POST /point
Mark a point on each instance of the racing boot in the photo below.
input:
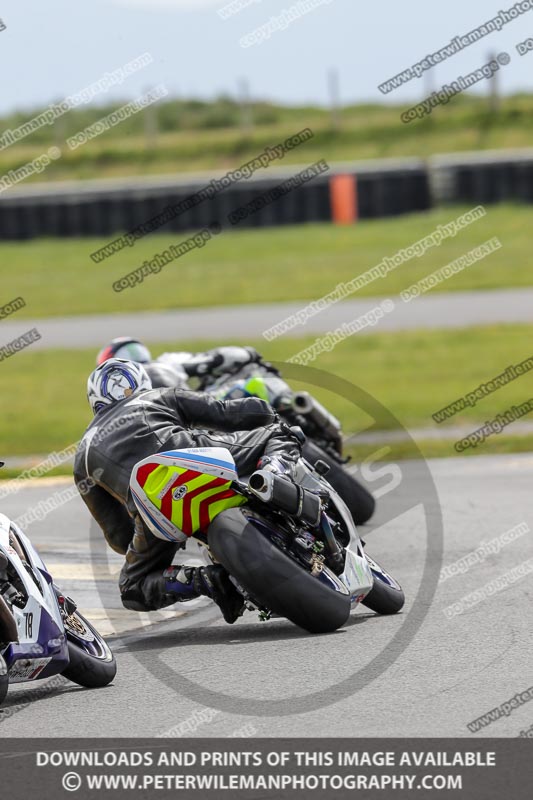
(279, 464)
(179, 582)
(186, 583)
(282, 458)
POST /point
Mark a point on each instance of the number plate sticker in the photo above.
(27, 670)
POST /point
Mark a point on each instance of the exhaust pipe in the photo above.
(306, 405)
(286, 496)
(261, 484)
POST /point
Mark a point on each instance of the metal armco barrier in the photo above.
(104, 208)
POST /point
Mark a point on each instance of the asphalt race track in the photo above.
(271, 679)
(441, 310)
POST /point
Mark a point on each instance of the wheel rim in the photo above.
(81, 632)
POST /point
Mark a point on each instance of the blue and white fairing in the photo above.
(42, 648)
(357, 579)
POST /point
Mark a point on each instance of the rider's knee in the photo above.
(133, 600)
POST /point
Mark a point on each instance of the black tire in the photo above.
(358, 499)
(4, 680)
(91, 665)
(274, 580)
(386, 596)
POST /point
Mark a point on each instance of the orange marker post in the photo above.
(343, 199)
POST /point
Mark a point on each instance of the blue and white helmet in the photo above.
(115, 380)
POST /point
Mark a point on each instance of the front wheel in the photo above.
(4, 680)
(92, 663)
(386, 595)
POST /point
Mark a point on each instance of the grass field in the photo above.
(206, 136)
(57, 277)
(412, 374)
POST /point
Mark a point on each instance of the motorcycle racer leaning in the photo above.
(216, 368)
(133, 421)
(175, 369)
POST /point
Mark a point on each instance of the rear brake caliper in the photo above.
(317, 560)
(312, 551)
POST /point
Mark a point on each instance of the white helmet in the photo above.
(114, 380)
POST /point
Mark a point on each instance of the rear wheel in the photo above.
(358, 499)
(239, 540)
(4, 680)
(92, 663)
(386, 595)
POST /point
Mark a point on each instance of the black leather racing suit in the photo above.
(152, 422)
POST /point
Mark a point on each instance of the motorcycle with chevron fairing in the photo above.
(42, 633)
(290, 546)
